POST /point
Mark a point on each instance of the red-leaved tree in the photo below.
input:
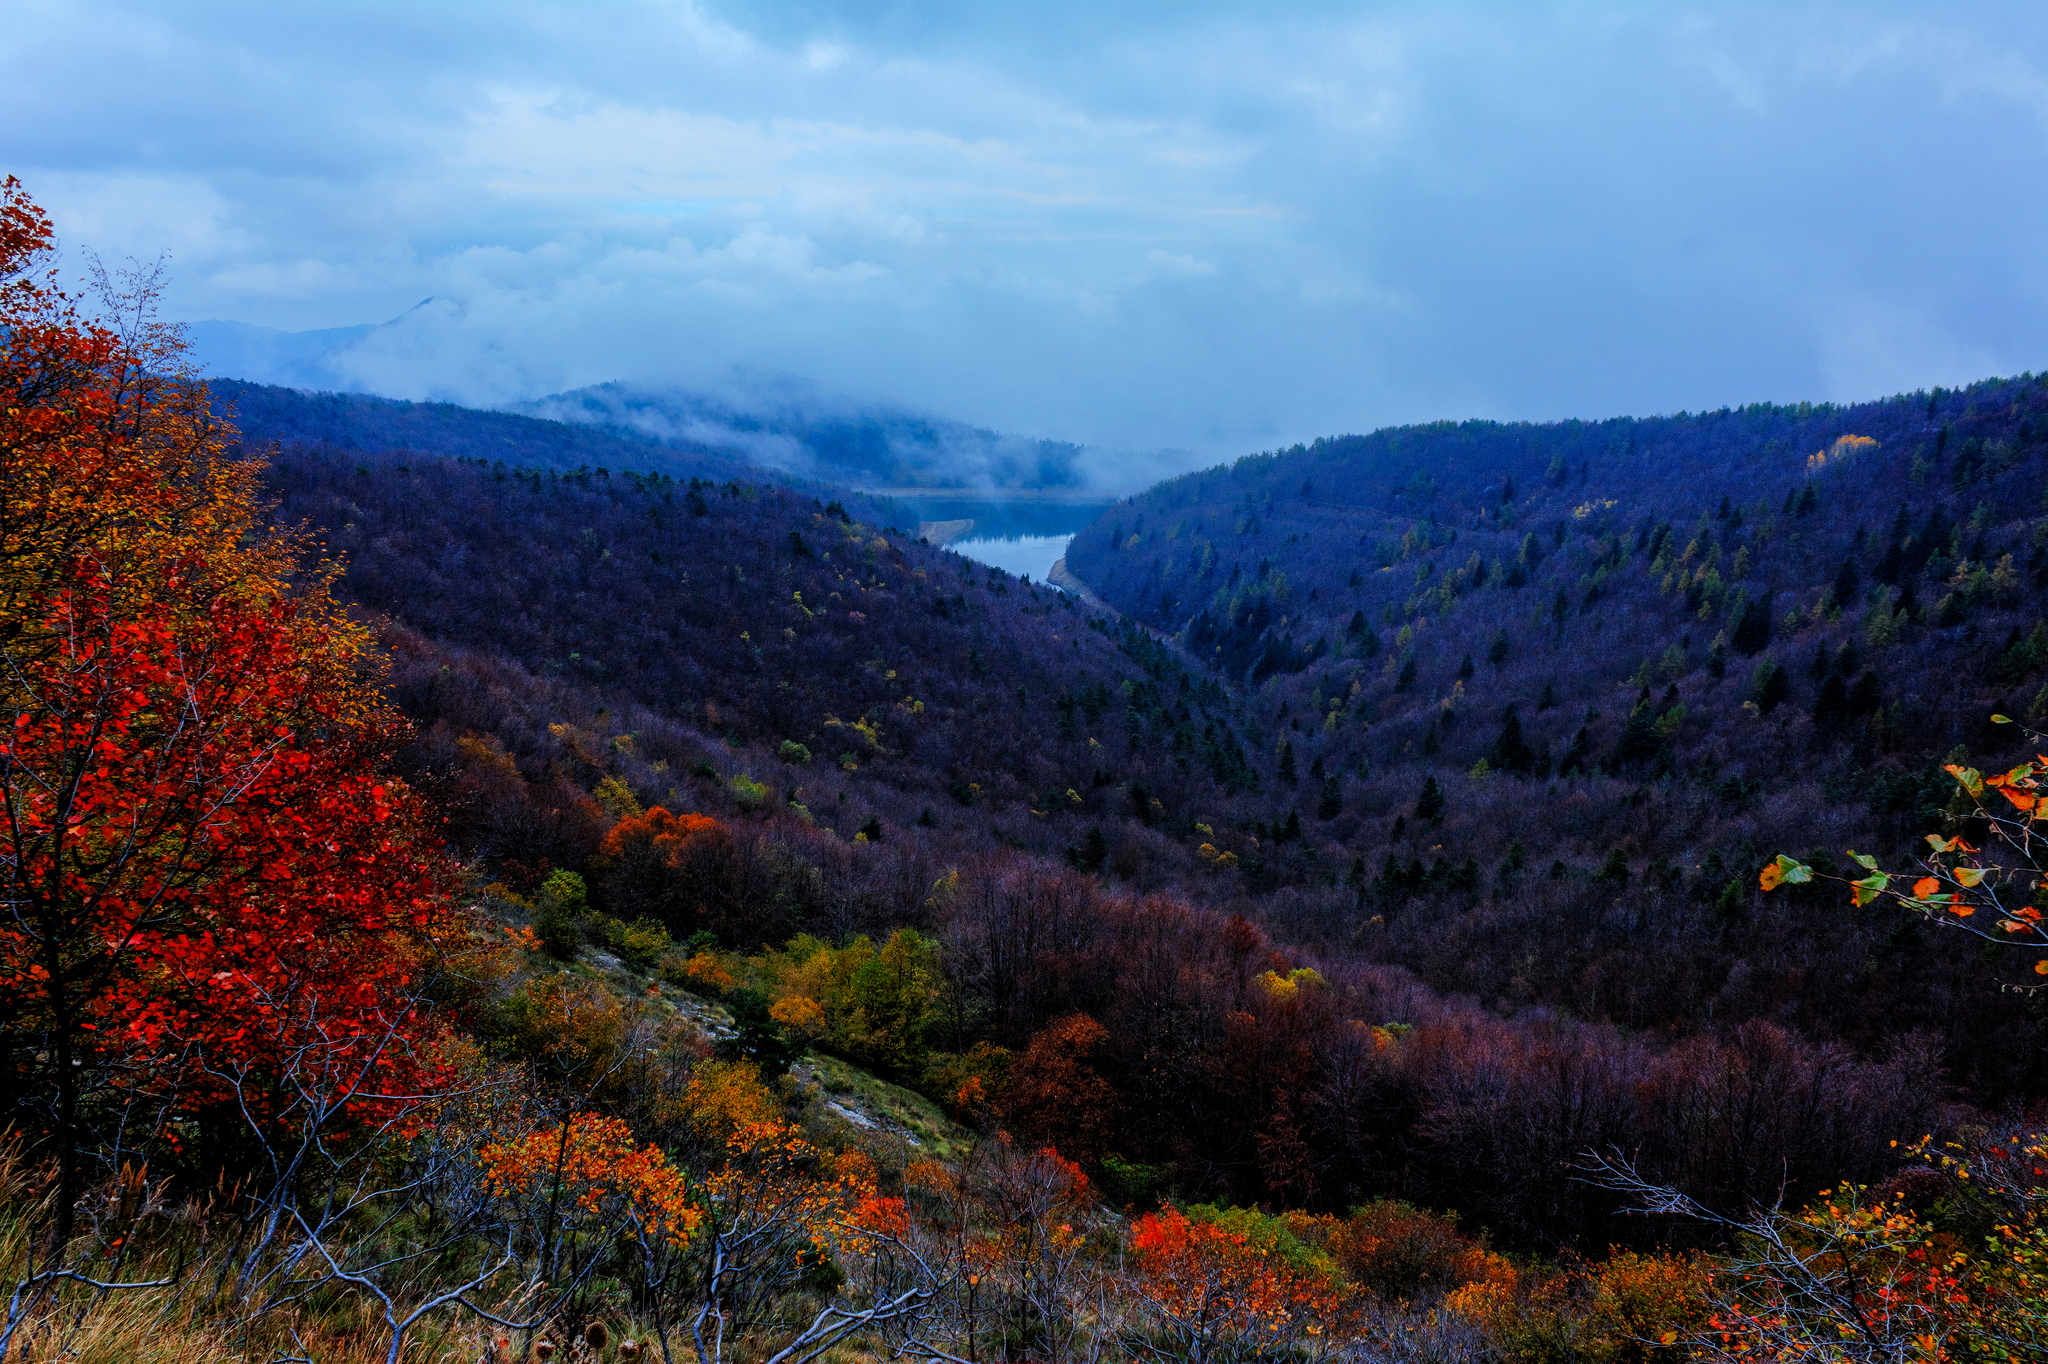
(210, 893)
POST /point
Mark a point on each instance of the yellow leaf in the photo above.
(1770, 876)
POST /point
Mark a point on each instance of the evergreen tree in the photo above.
(1769, 686)
(1615, 871)
(1287, 761)
(1847, 583)
(1753, 632)
(1831, 706)
(1639, 738)
(1465, 669)
(1511, 753)
(1332, 803)
(1429, 805)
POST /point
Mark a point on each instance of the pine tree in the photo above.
(1769, 686)
(1429, 805)
(1753, 632)
(1847, 583)
(1831, 706)
(1615, 871)
(1511, 753)
(1332, 803)
(1578, 756)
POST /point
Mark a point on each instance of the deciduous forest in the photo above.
(486, 889)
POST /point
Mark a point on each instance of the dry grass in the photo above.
(134, 1238)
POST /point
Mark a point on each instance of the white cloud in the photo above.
(1193, 226)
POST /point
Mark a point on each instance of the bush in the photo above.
(793, 753)
(1398, 1251)
(639, 944)
(562, 903)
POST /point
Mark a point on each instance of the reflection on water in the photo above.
(1032, 554)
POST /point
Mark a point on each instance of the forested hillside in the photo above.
(1550, 693)
(864, 721)
(265, 415)
(680, 628)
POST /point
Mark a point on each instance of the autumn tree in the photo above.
(205, 873)
(1056, 1096)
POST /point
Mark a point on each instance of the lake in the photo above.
(1023, 554)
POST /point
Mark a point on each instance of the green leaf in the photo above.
(1868, 862)
(2000, 720)
(1868, 889)
(1783, 870)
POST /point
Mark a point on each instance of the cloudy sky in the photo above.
(1219, 227)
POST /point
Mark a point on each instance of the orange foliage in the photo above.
(1218, 1296)
(659, 830)
(600, 1173)
(1629, 1309)
(1055, 1095)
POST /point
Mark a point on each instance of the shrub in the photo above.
(562, 903)
(639, 944)
(1399, 1251)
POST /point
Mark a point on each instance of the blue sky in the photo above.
(1212, 227)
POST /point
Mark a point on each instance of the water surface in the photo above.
(1020, 554)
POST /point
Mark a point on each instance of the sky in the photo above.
(1215, 228)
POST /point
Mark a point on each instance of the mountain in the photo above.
(1552, 693)
(776, 423)
(267, 415)
(1088, 821)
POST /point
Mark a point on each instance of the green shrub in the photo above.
(639, 944)
(558, 923)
